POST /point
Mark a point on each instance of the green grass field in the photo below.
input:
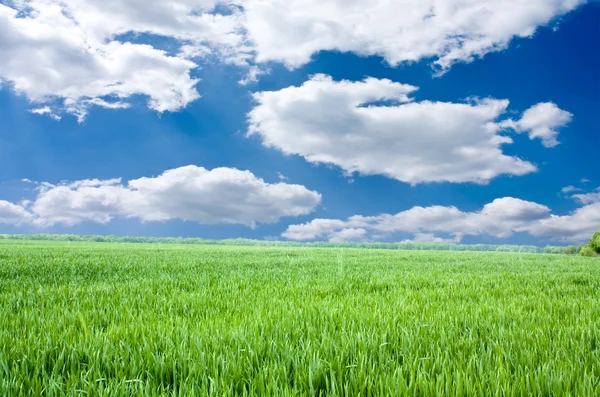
(124, 319)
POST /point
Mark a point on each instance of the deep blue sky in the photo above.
(560, 65)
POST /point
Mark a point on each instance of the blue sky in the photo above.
(320, 164)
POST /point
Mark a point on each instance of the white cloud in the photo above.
(315, 229)
(588, 198)
(13, 213)
(542, 121)
(432, 238)
(374, 128)
(347, 234)
(449, 31)
(501, 218)
(46, 110)
(585, 180)
(252, 75)
(74, 54)
(569, 189)
(67, 53)
(221, 195)
(191, 20)
(577, 227)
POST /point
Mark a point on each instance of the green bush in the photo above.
(593, 247)
(586, 250)
(595, 242)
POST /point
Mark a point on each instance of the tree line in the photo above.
(594, 244)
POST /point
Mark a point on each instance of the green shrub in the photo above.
(595, 242)
(586, 250)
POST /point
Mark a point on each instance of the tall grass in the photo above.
(110, 320)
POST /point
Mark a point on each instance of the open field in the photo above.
(121, 319)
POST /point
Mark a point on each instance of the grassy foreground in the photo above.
(110, 320)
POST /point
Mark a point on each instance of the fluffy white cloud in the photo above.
(73, 54)
(449, 31)
(191, 20)
(373, 127)
(317, 228)
(347, 234)
(542, 121)
(13, 214)
(221, 195)
(66, 53)
(577, 227)
(500, 219)
(588, 198)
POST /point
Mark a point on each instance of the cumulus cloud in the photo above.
(67, 53)
(74, 54)
(373, 127)
(542, 121)
(13, 214)
(347, 234)
(500, 218)
(588, 198)
(576, 227)
(221, 195)
(449, 31)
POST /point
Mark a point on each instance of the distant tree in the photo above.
(553, 250)
(595, 242)
(586, 250)
(593, 247)
(572, 250)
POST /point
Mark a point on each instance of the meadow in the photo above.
(103, 319)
